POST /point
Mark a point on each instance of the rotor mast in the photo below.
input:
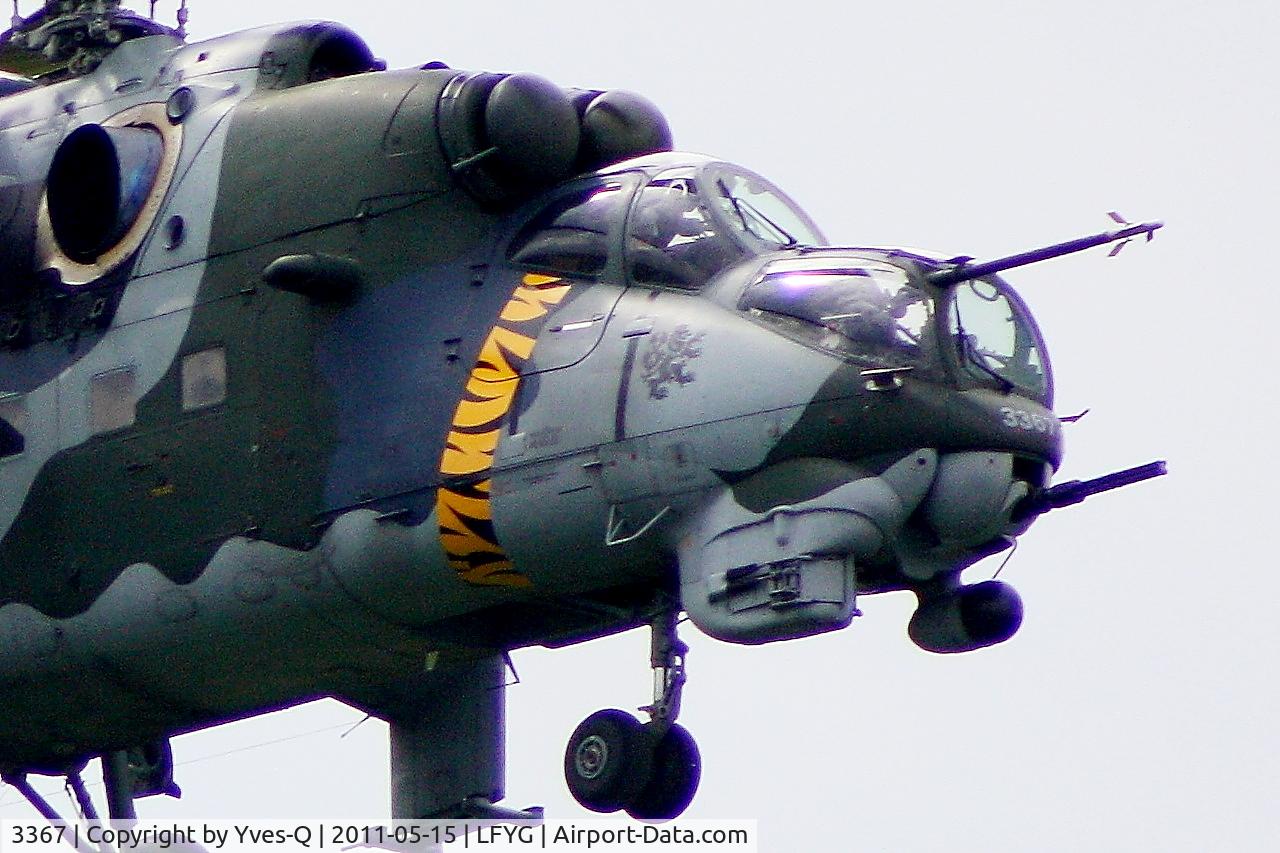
(70, 38)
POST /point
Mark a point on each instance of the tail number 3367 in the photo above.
(1028, 421)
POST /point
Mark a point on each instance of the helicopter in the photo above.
(524, 376)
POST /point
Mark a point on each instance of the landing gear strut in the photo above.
(142, 771)
(651, 770)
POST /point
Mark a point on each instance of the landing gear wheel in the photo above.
(608, 760)
(673, 779)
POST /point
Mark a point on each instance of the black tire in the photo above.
(607, 761)
(673, 780)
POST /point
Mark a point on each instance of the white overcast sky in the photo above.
(1137, 708)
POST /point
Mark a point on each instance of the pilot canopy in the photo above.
(666, 226)
(875, 312)
(690, 223)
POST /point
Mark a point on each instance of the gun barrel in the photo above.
(1074, 491)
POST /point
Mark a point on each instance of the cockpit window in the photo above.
(761, 211)
(571, 235)
(672, 239)
(860, 308)
(992, 341)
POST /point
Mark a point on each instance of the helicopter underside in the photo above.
(755, 568)
(776, 556)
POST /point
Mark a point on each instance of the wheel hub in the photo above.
(591, 757)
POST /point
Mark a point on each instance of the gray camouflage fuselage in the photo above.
(465, 452)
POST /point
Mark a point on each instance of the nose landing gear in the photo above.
(651, 770)
(673, 776)
(608, 761)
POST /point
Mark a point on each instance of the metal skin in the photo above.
(427, 455)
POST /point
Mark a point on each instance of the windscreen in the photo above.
(760, 211)
(994, 340)
(690, 223)
(672, 239)
(860, 308)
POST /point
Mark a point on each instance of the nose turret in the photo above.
(929, 446)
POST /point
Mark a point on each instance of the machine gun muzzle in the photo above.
(1074, 491)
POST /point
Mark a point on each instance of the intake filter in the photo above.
(618, 125)
(310, 53)
(98, 185)
(507, 136)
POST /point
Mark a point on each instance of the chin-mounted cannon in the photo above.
(758, 565)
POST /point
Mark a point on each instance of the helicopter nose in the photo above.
(973, 496)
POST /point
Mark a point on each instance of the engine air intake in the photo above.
(99, 183)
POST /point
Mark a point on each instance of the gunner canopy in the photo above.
(872, 312)
(860, 308)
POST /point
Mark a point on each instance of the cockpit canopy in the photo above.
(666, 222)
(993, 334)
(690, 223)
(676, 226)
(878, 311)
(861, 306)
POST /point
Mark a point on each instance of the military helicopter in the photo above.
(523, 376)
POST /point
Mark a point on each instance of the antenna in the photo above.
(17, 18)
(183, 16)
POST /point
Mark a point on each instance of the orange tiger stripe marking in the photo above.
(464, 513)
